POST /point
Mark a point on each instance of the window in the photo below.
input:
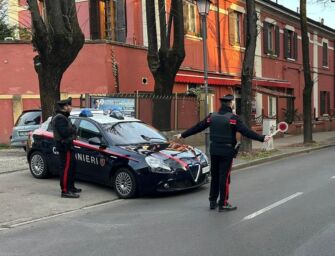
(191, 18)
(324, 102)
(272, 107)
(271, 39)
(235, 28)
(290, 44)
(108, 20)
(325, 54)
(87, 130)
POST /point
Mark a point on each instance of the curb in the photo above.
(277, 157)
(16, 223)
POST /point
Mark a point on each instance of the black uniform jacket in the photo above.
(237, 126)
(64, 131)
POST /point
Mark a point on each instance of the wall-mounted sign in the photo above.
(125, 105)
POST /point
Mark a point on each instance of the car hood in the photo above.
(171, 153)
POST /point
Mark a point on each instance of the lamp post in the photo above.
(203, 8)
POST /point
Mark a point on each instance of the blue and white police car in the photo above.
(121, 152)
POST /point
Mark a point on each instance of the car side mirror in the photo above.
(94, 141)
(97, 142)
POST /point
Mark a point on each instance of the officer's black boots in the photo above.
(76, 190)
(213, 205)
(227, 207)
(69, 195)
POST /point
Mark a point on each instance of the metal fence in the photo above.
(184, 109)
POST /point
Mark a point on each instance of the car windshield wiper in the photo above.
(132, 144)
(152, 138)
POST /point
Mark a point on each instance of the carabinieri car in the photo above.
(121, 152)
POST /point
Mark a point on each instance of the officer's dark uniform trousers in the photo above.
(220, 172)
(67, 170)
(64, 132)
(223, 127)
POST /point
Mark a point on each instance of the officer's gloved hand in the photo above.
(177, 136)
(267, 138)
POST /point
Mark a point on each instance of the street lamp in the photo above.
(203, 8)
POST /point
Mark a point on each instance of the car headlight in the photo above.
(157, 165)
(204, 158)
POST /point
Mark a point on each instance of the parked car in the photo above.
(27, 122)
(121, 152)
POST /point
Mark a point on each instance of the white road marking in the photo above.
(333, 177)
(268, 208)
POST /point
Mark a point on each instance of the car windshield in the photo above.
(29, 118)
(131, 133)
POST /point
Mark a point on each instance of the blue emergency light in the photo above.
(86, 113)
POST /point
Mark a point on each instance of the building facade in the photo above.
(114, 57)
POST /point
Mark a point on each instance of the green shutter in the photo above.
(277, 42)
(265, 38)
(295, 46)
(286, 43)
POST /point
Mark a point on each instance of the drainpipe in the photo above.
(218, 33)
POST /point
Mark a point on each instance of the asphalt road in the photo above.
(285, 208)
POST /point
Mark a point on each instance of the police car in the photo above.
(121, 152)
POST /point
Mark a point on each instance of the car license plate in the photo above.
(205, 169)
(24, 133)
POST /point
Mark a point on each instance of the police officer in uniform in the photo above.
(64, 134)
(223, 126)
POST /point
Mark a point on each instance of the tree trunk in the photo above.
(164, 62)
(58, 42)
(307, 94)
(162, 100)
(49, 84)
(248, 71)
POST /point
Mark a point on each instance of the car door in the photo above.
(91, 160)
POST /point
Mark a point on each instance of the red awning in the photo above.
(195, 79)
(213, 80)
(271, 83)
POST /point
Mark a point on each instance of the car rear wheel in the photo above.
(124, 183)
(38, 166)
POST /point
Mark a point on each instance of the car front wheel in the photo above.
(38, 165)
(124, 183)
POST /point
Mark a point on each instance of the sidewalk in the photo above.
(285, 146)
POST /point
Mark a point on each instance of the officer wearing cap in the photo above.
(223, 126)
(64, 134)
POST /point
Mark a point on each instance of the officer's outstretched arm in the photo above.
(199, 127)
(245, 131)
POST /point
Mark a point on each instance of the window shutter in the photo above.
(265, 37)
(277, 37)
(121, 21)
(94, 19)
(232, 26)
(185, 14)
(295, 46)
(244, 32)
(286, 43)
(325, 55)
(322, 103)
